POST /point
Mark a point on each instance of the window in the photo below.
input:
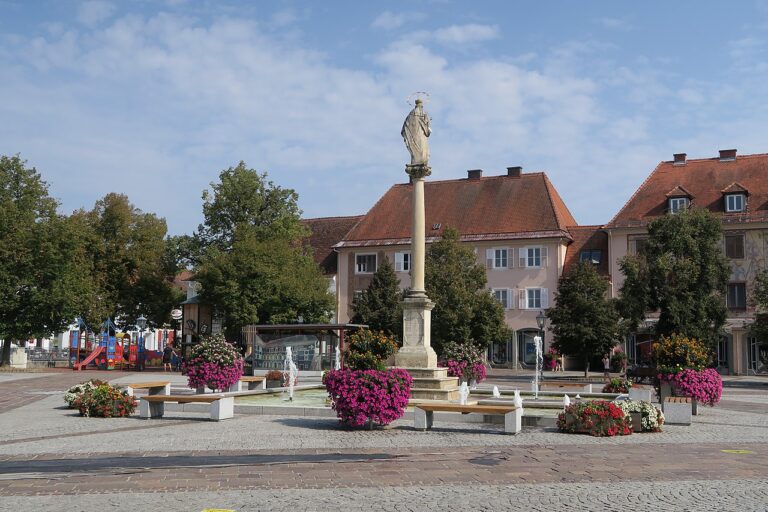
(502, 295)
(534, 298)
(498, 257)
(636, 244)
(357, 295)
(365, 263)
(677, 203)
(734, 203)
(533, 257)
(592, 255)
(402, 261)
(737, 296)
(734, 246)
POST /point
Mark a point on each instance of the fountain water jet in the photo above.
(539, 366)
(337, 359)
(290, 371)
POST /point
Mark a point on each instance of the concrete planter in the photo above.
(637, 421)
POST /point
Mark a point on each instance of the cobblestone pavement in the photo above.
(51, 459)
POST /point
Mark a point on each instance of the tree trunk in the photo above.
(5, 360)
(586, 368)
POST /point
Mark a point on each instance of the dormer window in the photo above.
(735, 203)
(677, 204)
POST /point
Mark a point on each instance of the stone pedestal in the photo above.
(416, 351)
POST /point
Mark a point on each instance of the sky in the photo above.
(155, 98)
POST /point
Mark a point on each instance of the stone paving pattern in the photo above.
(251, 462)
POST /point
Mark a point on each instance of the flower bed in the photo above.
(651, 418)
(105, 401)
(617, 386)
(77, 391)
(368, 397)
(704, 386)
(597, 418)
(214, 363)
(464, 361)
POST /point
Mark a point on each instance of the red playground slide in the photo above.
(93, 355)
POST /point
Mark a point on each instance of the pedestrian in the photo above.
(168, 354)
(607, 368)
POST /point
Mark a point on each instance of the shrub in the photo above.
(677, 353)
(274, 375)
(464, 360)
(77, 391)
(617, 386)
(368, 397)
(369, 350)
(105, 401)
(619, 361)
(213, 363)
(705, 386)
(598, 418)
(651, 418)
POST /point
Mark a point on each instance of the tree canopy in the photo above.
(464, 309)
(682, 274)
(379, 306)
(252, 264)
(584, 321)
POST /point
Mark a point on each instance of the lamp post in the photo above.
(541, 319)
(141, 323)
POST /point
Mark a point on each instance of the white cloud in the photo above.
(389, 20)
(93, 12)
(463, 34)
(614, 23)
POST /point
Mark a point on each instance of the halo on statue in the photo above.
(418, 95)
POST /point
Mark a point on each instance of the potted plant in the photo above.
(465, 361)
(213, 363)
(105, 401)
(683, 365)
(645, 416)
(598, 418)
(78, 390)
(617, 386)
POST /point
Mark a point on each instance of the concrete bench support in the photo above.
(677, 410)
(641, 395)
(222, 408)
(253, 383)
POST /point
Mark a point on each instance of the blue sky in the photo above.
(154, 98)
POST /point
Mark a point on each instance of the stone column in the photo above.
(417, 351)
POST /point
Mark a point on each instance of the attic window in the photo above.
(677, 204)
(436, 226)
(593, 256)
(735, 203)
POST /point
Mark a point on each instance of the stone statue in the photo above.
(415, 132)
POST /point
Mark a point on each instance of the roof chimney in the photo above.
(514, 172)
(727, 155)
(679, 159)
(474, 174)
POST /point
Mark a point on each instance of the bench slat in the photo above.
(252, 379)
(145, 385)
(182, 399)
(489, 409)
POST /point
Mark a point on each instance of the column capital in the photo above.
(418, 171)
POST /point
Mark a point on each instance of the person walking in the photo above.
(168, 354)
(607, 368)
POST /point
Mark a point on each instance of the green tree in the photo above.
(464, 312)
(584, 321)
(45, 278)
(380, 306)
(682, 274)
(759, 328)
(252, 264)
(132, 261)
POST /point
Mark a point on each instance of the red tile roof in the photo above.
(490, 208)
(705, 180)
(327, 232)
(587, 238)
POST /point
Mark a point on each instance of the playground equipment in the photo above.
(109, 352)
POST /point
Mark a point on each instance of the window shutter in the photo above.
(511, 301)
(522, 299)
(510, 257)
(489, 258)
(523, 252)
(398, 262)
(544, 298)
(544, 257)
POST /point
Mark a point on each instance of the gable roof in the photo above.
(587, 238)
(705, 180)
(325, 233)
(489, 208)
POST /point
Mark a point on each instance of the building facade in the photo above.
(736, 189)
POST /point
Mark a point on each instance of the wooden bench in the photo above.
(580, 387)
(423, 414)
(161, 387)
(153, 406)
(254, 382)
(677, 410)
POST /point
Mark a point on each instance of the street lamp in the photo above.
(141, 323)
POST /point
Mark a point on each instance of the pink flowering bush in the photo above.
(464, 361)
(704, 386)
(368, 397)
(214, 363)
